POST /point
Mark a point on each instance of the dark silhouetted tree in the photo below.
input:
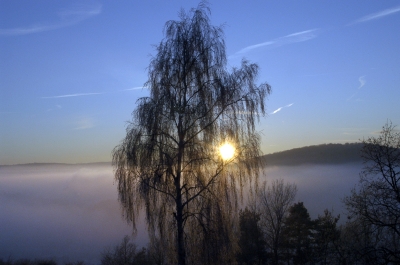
(297, 234)
(251, 239)
(376, 202)
(125, 254)
(168, 162)
(327, 239)
(32, 262)
(360, 243)
(213, 236)
(273, 203)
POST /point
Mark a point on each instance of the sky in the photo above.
(71, 71)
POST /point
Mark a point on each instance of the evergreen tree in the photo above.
(326, 239)
(252, 246)
(297, 234)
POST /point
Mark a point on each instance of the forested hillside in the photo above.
(317, 154)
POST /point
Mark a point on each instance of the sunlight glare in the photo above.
(227, 151)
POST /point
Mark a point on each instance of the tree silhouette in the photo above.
(125, 254)
(377, 201)
(326, 238)
(297, 234)
(168, 162)
(251, 239)
(274, 205)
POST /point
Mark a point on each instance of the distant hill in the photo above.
(316, 154)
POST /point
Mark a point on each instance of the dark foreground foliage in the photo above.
(127, 253)
(36, 262)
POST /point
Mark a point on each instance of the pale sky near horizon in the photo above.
(71, 71)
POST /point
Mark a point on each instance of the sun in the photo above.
(227, 151)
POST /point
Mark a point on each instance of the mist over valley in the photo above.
(70, 212)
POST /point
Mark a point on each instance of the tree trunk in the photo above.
(179, 223)
(179, 208)
(275, 260)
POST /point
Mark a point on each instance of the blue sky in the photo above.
(71, 71)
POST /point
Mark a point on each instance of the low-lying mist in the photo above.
(71, 212)
(65, 212)
(319, 186)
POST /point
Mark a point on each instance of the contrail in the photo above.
(279, 109)
(291, 38)
(378, 15)
(74, 95)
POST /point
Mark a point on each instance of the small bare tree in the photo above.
(125, 253)
(168, 162)
(377, 200)
(274, 202)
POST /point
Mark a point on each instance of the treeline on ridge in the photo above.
(316, 154)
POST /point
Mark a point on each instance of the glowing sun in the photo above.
(227, 151)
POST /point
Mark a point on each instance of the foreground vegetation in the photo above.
(35, 262)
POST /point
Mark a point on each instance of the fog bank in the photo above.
(71, 212)
(320, 187)
(65, 212)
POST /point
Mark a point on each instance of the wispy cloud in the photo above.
(352, 96)
(378, 15)
(74, 95)
(91, 94)
(279, 109)
(135, 88)
(84, 123)
(352, 130)
(67, 18)
(291, 38)
(362, 81)
(57, 106)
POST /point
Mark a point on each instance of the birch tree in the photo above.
(169, 163)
